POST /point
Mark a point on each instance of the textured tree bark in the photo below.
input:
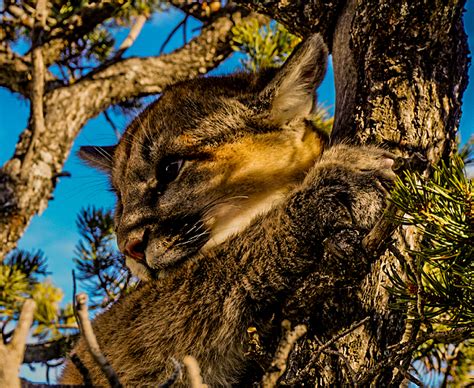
(67, 109)
(400, 73)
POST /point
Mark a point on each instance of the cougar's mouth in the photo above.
(158, 260)
(163, 248)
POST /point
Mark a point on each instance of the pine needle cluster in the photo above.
(442, 209)
(438, 282)
(100, 266)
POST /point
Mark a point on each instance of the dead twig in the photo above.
(194, 372)
(374, 242)
(91, 340)
(132, 36)
(287, 342)
(11, 354)
(86, 377)
(49, 350)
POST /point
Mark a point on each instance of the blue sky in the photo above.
(54, 231)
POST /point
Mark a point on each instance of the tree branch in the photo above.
(403, 350)
(14, 70)
(150, 75)
(50, 350)
(89, 16)
(91, 341)
(300, 19)
(37, 90)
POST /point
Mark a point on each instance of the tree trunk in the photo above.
(400, 71)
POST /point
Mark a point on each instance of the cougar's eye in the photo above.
(169, 170)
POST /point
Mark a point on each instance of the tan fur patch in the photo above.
(258, 172)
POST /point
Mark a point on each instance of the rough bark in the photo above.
(301, 16)
(400, 72)
(67, 109)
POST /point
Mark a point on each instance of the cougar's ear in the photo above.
(291, 93)
(100, 157)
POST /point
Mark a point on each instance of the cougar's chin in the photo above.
(140, 270)
(161, 257)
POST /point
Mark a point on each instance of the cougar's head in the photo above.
(209, 156)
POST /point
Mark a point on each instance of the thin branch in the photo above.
(20, 16)
(25, 321)
(86, 377)
(91, 341)
(114, 128)
(49, 350)
(85, 20)
(185, 27)
(173, 31)
(132, 36)
(195, 9)
(287, 342)
(14, 71)
(346, 362)
(194, 372)
(410, 377)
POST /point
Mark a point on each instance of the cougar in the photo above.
(225, 193)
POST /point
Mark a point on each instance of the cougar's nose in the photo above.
(134, 244)
(135, 248)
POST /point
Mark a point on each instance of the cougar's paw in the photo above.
(362, 175)
(364, 160)
(368, 161)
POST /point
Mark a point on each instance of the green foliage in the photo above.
(437, 288)
(442, 209)
(19, 280)
(101, 268)
(265, 46)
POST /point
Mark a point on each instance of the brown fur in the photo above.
(241, 222)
